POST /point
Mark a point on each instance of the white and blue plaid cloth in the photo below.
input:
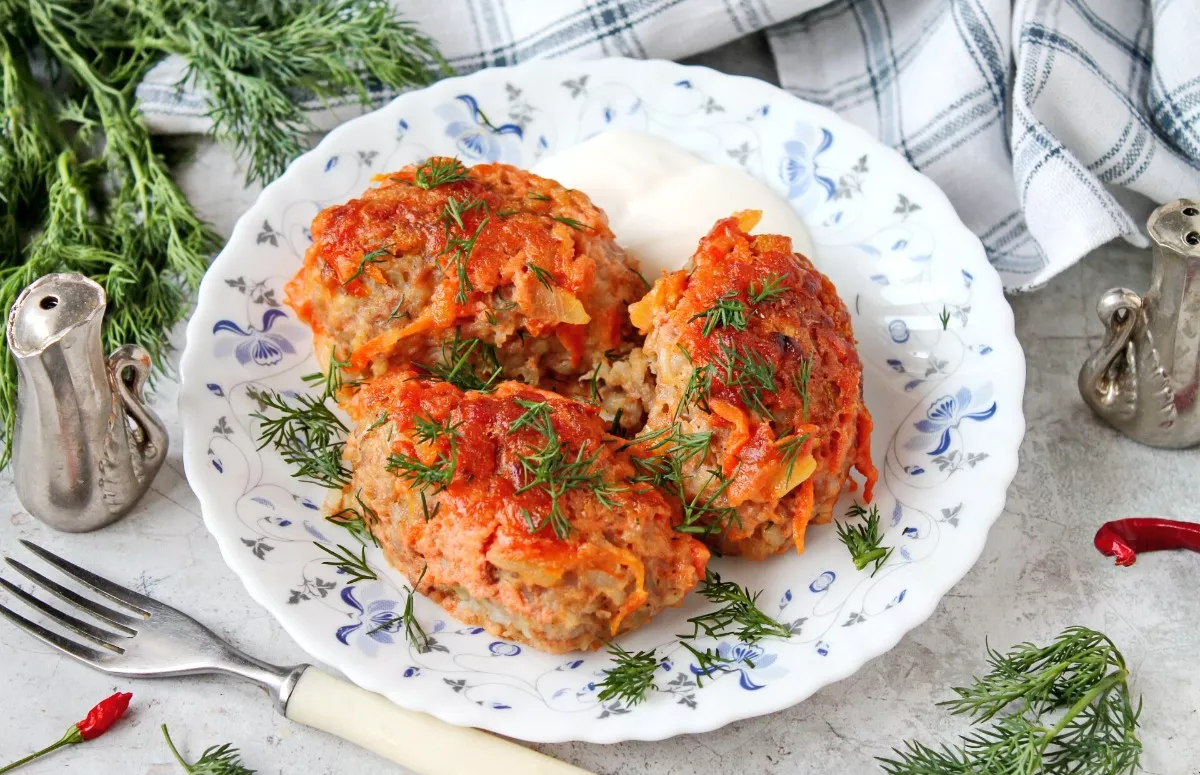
(1053, 125)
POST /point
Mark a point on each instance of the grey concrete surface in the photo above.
(1037, 575)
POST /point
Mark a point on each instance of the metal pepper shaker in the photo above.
(86, 447)
(1145, 378)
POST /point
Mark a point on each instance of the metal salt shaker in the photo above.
(86, 447)
(1144, 380)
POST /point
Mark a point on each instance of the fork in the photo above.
(143, 638)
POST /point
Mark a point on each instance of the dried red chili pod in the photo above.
(1124, 538)
(98, 721)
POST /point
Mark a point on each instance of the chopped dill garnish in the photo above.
(459, 249)
(536, 412)
(770, 288)
(574, 224)
(615, 428)
(307, 435)
(380, 420)
(728, 311)
(504, 306)
(945, 318)
(331, 380)
(630, 678)
(355, 521)
(396, 313)
(543, 276)
(738, 615)
(800, 380)
(506, 213)
(491, 318)
(455, 209)
(789, 447)
(701, 515)
(698, 387)
(354, 566)
(594, 385)
(439, 172)
(709, 662)
(750, 374)
(425, 476)
(864, 541)
(412, 628)
(552, 470)
(374, 257)
(428, 430)
(538, 197)
(468, 364)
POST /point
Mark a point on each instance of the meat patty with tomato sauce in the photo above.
(515, 510)
(759, 390)
(513, 272)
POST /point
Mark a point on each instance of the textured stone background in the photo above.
(1037, 575)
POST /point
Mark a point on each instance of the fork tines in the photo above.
(103, 642)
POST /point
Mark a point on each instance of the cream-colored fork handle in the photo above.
(417, 741)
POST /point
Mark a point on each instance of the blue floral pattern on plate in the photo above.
(946, 400)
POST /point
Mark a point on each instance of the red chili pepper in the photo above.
(1124, 538)
(104, 715)
(98, 721)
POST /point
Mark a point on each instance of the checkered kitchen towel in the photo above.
(1051, 124)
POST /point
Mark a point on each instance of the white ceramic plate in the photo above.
(946, 402)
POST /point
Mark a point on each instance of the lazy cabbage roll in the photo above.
(438, 261)
(758, 414)
(515, 510)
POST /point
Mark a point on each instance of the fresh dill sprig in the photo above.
(216, 760)
(439, 171)
(536, 413)
(800, 381)
(250, 58)
(864, 541)
(751, 374)
(412, 627)
(354, 566)
(358, 521)
(770, 288)
(709, 662)
(329, 381)
(701, 515)
(459, 249)
(307, 435)
(437, 475)
(1061, 708)
(541, 275)
(945, 318)
(698, 388)
(396, 311)
(728, 311)
(85, 188)
(552, 470)
(574, 224)
(630, 678)
(672, 449)
(374, 257)
(789, 447)
(455, 209)
(594, 385)
(468, 364)
(738, 615)
(379, 421)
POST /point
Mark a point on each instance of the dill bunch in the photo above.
(85, 188)
(1061, 708)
